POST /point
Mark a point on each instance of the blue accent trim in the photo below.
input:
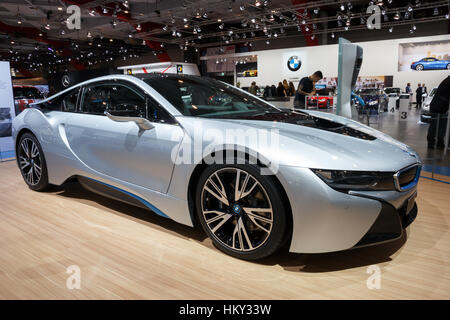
(437, 169)
(414, 182)
(429, 178)
(145, 202)
(7, 154)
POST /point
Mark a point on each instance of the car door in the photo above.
(123, 150)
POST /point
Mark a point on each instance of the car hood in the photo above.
(336, 143)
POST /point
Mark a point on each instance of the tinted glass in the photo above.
(69, 103)
(204, 97)
(101, 97)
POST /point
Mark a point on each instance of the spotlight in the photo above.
(397, 16)
(332, 35)
(257, 3)
(92, 13)
(139, 28)
(316, 11)
(342, 7)
(391, 29)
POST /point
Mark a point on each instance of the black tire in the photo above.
(448, 66)
(279, 221)
(36, 182)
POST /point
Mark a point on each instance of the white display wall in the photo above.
(380, 59)
(7, 111)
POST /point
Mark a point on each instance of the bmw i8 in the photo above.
(324, 183)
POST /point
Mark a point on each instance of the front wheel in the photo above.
(31, 161)
(241, 211)
(419, 67)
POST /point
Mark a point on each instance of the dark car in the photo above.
(374, 98)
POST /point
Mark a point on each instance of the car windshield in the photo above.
(368, 91)
(392, 90)
(432, 92)
(27, 93)
(206, 97)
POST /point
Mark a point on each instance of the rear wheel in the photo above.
(241, 211)
(31, 161)
(448, 66)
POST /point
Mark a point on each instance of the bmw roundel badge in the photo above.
(294, 63)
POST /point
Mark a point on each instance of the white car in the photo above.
(425, 114)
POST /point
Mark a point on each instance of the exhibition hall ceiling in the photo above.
(58, 32)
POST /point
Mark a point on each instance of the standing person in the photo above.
(253, 88)
(291, 89)
(424, 92)
(286, 87)
(306, 88)
(408, 88)
(419, 96)
(438, 107)
(281, 92)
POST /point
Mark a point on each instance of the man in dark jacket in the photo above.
(419, 96)
(438, 109)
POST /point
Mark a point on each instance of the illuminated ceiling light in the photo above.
(63, 32)
(60, 9)
(313, 37)
(316, 11)
(435, 12)
(242, 8)
(447, 16)
(349, 6)
(342, 7)
(47, 26)
(130, 35)
(111, 40)
(418, 3)
(332, 35)
(267, 42)
(410, 8)
(414, 27)
(126, 4)
(380, 2)
(346, 28)
(105, 11)
(391, 29)
(89, 35)
(397, 16)
(185, 20)
(205, 15)
(221, 26)
(165, 28)
(257, 3)
(92, 13)
(139, 28)
(219, 20)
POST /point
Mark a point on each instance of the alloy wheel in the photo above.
(236, 209)
(30, 161)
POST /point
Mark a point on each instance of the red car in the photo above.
(24, 95)
(320, 101)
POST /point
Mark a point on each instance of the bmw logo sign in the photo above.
(294, 63)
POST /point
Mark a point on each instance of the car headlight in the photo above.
(344, 180)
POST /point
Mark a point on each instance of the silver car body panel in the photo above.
(116, 154)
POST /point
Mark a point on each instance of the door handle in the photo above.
(142, 123)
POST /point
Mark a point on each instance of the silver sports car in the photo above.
(197, 150)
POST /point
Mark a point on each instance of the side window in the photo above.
(51, 105)
(69, 103)
(96, 99)
(126, 101)
(157, 113)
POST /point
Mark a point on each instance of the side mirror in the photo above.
(142, 123)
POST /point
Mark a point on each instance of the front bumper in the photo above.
(326, 220)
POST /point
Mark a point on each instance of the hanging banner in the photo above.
(7, 112)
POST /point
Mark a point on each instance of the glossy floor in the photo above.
(125, 252)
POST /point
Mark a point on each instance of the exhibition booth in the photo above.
(169, 150)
